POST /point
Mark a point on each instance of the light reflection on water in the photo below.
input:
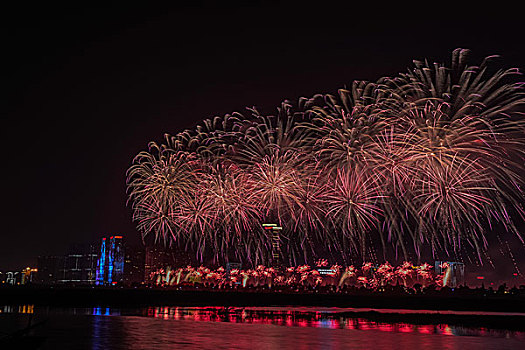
(317, 319)
(245, 328)
(19, 309)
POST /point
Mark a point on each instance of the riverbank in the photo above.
(138, 297)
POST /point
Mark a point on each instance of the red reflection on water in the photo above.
(307, 319)
(446, 330)
(302, 323)
(363, 325)
(333, 324)
(426, 329)
(405, 328)
(386, 327)
(350, 323)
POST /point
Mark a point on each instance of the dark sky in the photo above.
(88, 88)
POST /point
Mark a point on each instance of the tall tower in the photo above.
(275, 236)
(101, 264)
(453, 273)
(110, 265)
(116, 260)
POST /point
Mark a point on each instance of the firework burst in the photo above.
(432, 157)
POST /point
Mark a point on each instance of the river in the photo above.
(243, 328)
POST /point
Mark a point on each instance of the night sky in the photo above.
(88, 88)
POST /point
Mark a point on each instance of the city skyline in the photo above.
(262, 174)
(65, 124)
(80, 265)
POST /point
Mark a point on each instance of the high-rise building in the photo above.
(78, 265)
(12, 278)
(28, 275)
(101, 264)
(116, 260)
(110, 264)
(134, 261)
(453, 273)
(275, 236)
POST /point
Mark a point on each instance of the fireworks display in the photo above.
(368, 276)
(430, 158)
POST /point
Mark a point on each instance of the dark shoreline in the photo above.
(138, 297)
(145, 298)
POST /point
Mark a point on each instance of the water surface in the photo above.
(243, 328)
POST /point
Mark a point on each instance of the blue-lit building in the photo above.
(110, 265)
(101, 263)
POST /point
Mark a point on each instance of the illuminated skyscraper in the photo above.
(110, 265)
(12, 278)
(28, 275)
(275, 236)
(116, 260)
(101, 264)
(453, 273)
(79, 265)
